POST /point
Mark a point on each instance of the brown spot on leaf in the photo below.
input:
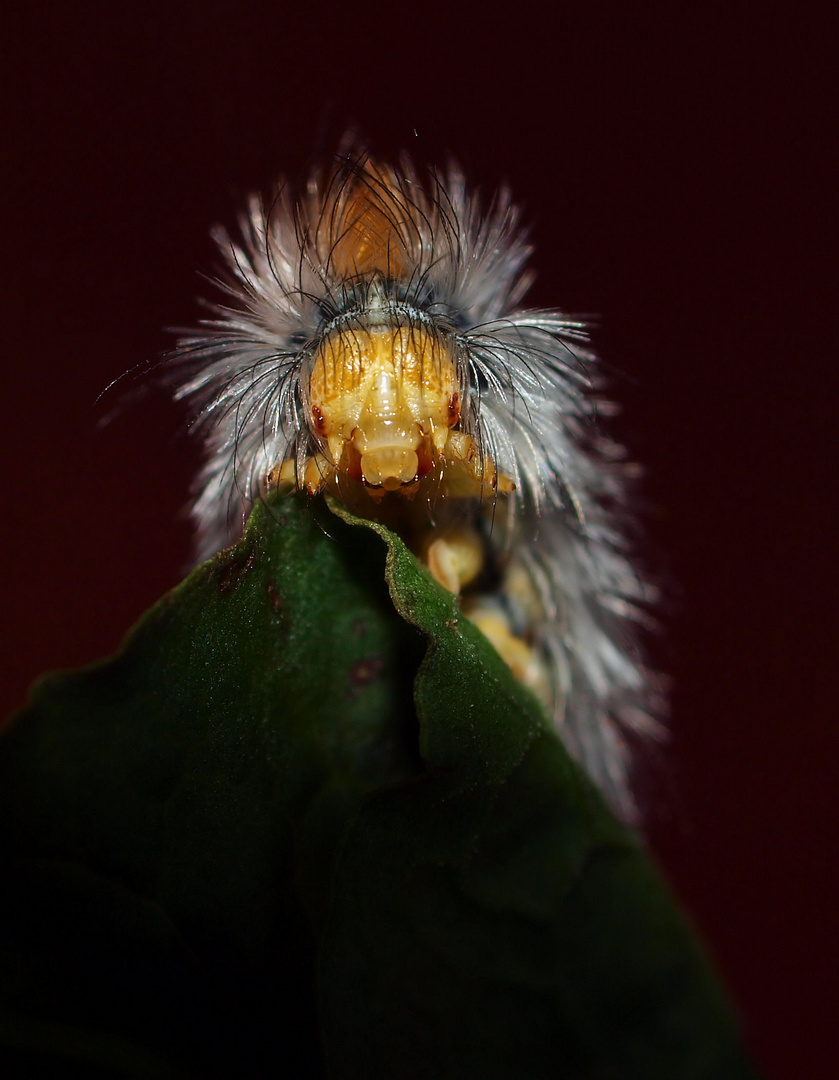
(365, 671)
(236, 570)
(275, 598)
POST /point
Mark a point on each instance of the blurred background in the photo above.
(678, 168)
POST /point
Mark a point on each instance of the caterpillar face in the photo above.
(383, 400)
(372, 341)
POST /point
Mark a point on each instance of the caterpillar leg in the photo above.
(456, 559)
(525, 661)
(467, 473)
(317, 471)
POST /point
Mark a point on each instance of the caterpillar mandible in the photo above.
(373, 344)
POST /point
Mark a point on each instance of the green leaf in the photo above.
(305, 823)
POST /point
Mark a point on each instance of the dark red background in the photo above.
(679, 170)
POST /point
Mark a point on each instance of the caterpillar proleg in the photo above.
(373, 344)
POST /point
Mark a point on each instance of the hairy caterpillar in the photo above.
(373, 344)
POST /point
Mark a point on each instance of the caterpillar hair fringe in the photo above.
(372, 342)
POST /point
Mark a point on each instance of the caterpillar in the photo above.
(372, 343)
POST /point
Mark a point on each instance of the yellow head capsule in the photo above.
(383, 400)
